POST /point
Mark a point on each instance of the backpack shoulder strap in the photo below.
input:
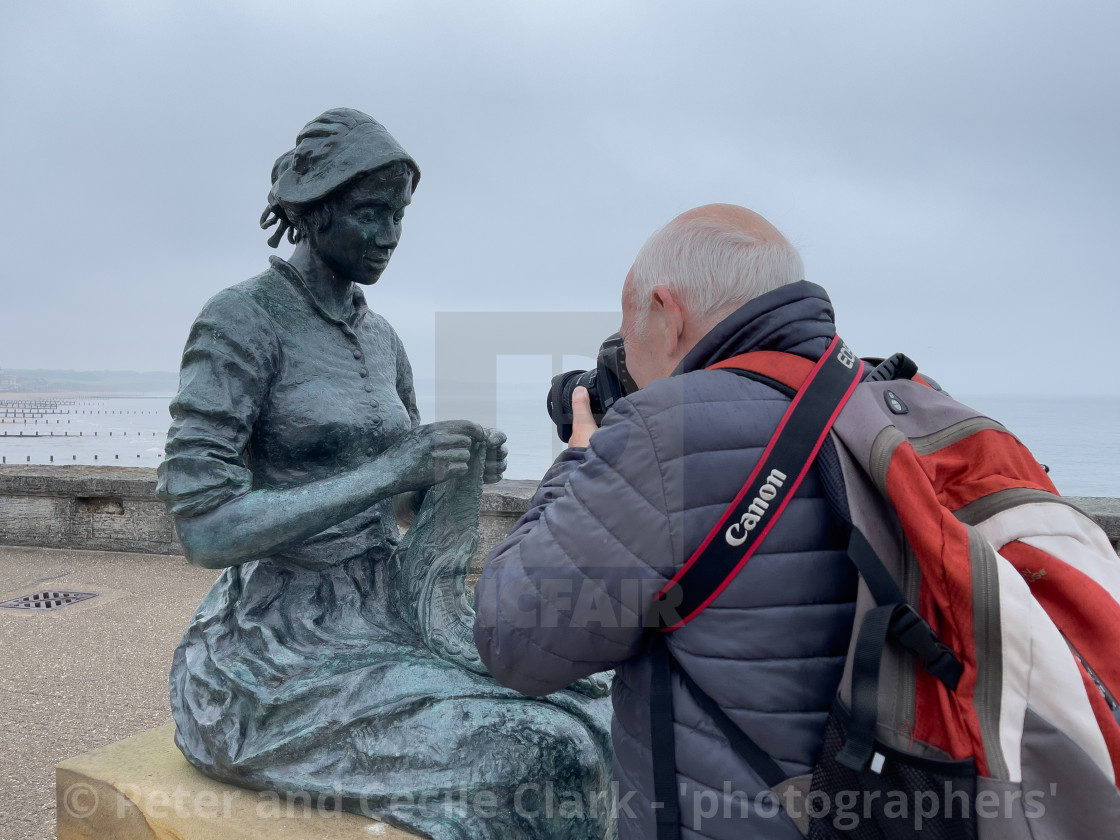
(788, 372)
(784, 368)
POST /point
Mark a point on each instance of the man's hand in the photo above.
(583, 421)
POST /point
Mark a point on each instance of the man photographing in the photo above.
(624, 507)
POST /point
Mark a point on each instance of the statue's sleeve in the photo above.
(228, 363)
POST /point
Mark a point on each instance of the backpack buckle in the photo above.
(914, 633)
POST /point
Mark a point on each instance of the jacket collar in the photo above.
(796, 318)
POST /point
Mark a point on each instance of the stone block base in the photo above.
(142, 788)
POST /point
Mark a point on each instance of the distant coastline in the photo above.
(69, 384)
(15, 396)
(1078, 438)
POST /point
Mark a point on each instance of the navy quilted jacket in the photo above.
(565, 594)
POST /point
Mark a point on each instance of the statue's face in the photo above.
(365, 226)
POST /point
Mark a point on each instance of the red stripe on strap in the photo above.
(773, 520)
(773, 361)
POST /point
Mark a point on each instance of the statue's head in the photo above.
(343, 190)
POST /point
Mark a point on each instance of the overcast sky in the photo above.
(950, 171)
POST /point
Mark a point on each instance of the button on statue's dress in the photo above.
(324, 668)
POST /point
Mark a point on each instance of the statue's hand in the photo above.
(596, 685)
(435, 452)
(496, 453)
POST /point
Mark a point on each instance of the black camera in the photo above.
(609, 382)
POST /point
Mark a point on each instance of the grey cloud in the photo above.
(949, 171)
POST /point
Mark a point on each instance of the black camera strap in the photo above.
(779, 472)
(730, 544)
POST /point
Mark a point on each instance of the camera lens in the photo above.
(609, 382)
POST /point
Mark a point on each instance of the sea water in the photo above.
(117, 431)
(1078, 438)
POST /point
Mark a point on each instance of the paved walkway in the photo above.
(87, 674)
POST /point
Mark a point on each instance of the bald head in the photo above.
(733, 217)
(714, 258)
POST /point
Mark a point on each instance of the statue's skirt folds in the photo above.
(303, 681)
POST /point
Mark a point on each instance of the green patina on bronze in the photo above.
(332, 658)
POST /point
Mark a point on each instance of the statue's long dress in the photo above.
(344, 666)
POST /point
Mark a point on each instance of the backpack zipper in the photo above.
(1113, 705)
(987, 633)
(907, 708)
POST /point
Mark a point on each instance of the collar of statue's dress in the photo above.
(358, 308)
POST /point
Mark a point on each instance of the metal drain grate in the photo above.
(50, 599)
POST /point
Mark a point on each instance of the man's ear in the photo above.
(674, 312)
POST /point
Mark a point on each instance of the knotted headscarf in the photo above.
(331, 150)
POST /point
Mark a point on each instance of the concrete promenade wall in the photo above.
(115, 509)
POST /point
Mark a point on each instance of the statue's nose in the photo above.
(388, 234)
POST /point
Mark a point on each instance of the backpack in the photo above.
(979, 697)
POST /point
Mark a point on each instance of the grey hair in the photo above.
(714, 267)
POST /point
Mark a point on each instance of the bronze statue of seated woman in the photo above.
(331, 657)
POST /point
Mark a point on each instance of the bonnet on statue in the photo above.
(333, 149)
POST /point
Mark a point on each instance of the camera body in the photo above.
(609, 382)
